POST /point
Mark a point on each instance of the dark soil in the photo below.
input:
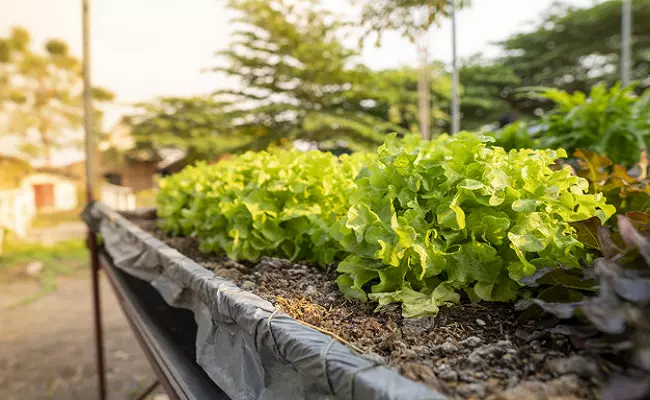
(470, 351)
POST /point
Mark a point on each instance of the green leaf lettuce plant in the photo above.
(272, 203)
(430, 219)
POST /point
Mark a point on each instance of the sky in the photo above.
(142, 49)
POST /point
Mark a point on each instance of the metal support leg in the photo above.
(97, 315)
(90, 174)
(148, 390)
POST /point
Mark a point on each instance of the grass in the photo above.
(61, 258)
(48, 220)
(145, 198)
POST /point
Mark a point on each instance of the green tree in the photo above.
(488, 91)
(196, 125)
(44, 104)
(10, 48)
(411, 18)
(201, 126)
(408, 17)
(293, 85)
(395, 96)
(296, 79)
(576, 48)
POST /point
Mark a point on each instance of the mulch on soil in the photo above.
(470, 351)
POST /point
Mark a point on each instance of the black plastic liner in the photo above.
(246, 346)
(168, 333)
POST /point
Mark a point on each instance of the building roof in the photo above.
(12, 171)
(56, 171)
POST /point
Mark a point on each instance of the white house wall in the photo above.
(16, 211)
(18, 206)
(65, 191)
(65, 196)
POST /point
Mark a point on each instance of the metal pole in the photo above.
(626, 42)
(92, 239)
(148, 390)
(424, 88)
(455, 100)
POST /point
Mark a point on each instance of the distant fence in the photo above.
(120, 198)
(16, 211)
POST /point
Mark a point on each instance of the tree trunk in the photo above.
(43, 131)
(43, 128)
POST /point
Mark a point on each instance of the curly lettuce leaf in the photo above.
(464, 215)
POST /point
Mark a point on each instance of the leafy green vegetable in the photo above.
(277, 203)
(428, 219)
(420, 222)
(613, 122)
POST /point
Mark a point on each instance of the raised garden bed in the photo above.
(166, 334)
(473, 350)
(249, 349)
(466, 351)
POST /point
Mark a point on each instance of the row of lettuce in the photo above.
(419, 223)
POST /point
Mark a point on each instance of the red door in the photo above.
(44, 195)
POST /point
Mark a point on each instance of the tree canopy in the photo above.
(42, 94)
(571, 48)
(396, 94)
(576, 48)
(487, 92)
(408, 17)
(194, 124)
(297, 79)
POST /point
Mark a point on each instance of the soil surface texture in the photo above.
(470, 351)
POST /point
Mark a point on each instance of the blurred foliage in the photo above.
(514, 136)
(297, 80)
(394, 93)
(61, 258)
(203, 126)
(41, 92)
(614, 122)
(194, 124)
(572, 49)
(576, 48)
(628, 191)
(410, 18)
(487, 88)
(12, 172)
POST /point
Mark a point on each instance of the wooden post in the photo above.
(92, 238)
